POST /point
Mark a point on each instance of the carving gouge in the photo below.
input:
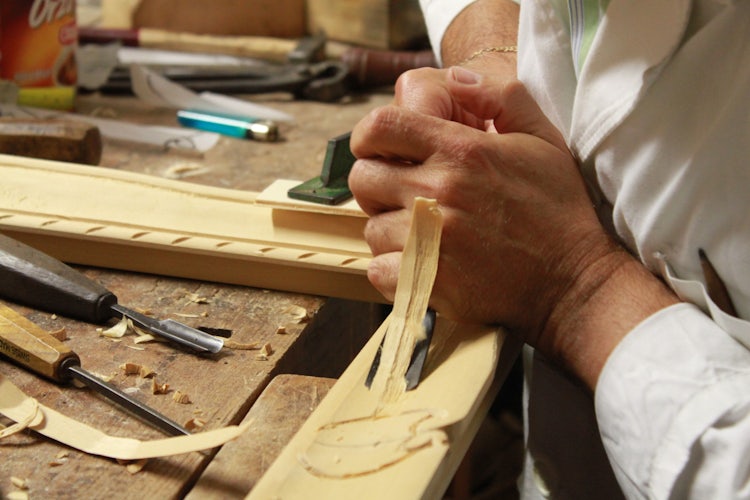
(37, 350)
(33, 278)
(418, 357)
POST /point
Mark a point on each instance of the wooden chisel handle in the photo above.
(375, 68)
(33, 278)
(33, 348)
(51, 139)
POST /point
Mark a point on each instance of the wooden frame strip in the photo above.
(122, 220)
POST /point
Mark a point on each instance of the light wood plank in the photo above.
(374, 444)
(122, 220)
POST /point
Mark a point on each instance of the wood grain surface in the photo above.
(224, 387)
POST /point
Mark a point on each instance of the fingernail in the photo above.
(465, 76)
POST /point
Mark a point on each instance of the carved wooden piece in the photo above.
(122, 220)
(358, 443)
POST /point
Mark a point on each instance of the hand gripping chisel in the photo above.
(35, 279)
(37, 350)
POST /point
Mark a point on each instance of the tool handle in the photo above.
(33, 348)
(375, 68)
(51, 139)
(35, 279)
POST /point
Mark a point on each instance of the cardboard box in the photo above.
(275, 18)
(382, 24)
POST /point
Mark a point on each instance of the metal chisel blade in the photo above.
(174, 331)
(418, 357)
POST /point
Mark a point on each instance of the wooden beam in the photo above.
(122, 220)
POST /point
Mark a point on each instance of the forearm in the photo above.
(481, 25)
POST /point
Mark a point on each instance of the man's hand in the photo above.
(521, 246)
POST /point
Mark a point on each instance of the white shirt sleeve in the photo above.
(438, 14)
(673, 407)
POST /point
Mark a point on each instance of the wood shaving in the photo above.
(281, 330)
(299, 314)
(54, 316)
(146, 337)
(231, 344)
(157, 388)
(131, 368)
(21, 484)
(265, 352)
(63, 454)
(117, 331)
(182, 171)
(18, 495)
(60, 334)
(181, 398)
(146, 372)
(195, 423)
(194, 298)
(136, 467)
(133, 466)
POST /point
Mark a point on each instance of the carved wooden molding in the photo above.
(386, 442)
(123, 220)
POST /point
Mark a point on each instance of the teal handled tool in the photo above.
(35, 279)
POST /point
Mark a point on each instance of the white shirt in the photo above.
(659, 116)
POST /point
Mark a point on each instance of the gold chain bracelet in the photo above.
(486, 50)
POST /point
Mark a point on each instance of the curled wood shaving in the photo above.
(22, 423)
(63, 454)
(157, 388)
(117, 331)
(281, 330)
(18, 495)
(231, 344)
(299, 314)
(195, 423)
(181, 397)
(136, 369)
(60, 334)
(146, 337)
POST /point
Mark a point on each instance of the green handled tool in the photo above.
(35, 279)
(37, 350)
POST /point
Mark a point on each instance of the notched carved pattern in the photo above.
(95, 229)
(367, 445)
(179, 240)
(306, 255)
(140, 235)
(348, 262)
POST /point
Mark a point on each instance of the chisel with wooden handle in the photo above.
(33, 278)
(33, 348)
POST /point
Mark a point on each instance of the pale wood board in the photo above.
(379, 443)
(123, 220)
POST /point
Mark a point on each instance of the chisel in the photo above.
(30, 346)
(35, 279)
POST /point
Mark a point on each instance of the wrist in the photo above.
(607, 299)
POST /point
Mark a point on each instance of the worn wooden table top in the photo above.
(222, 388)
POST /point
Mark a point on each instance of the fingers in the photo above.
(383, 273)
(508, 104)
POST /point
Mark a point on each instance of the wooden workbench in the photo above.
(224, 387)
